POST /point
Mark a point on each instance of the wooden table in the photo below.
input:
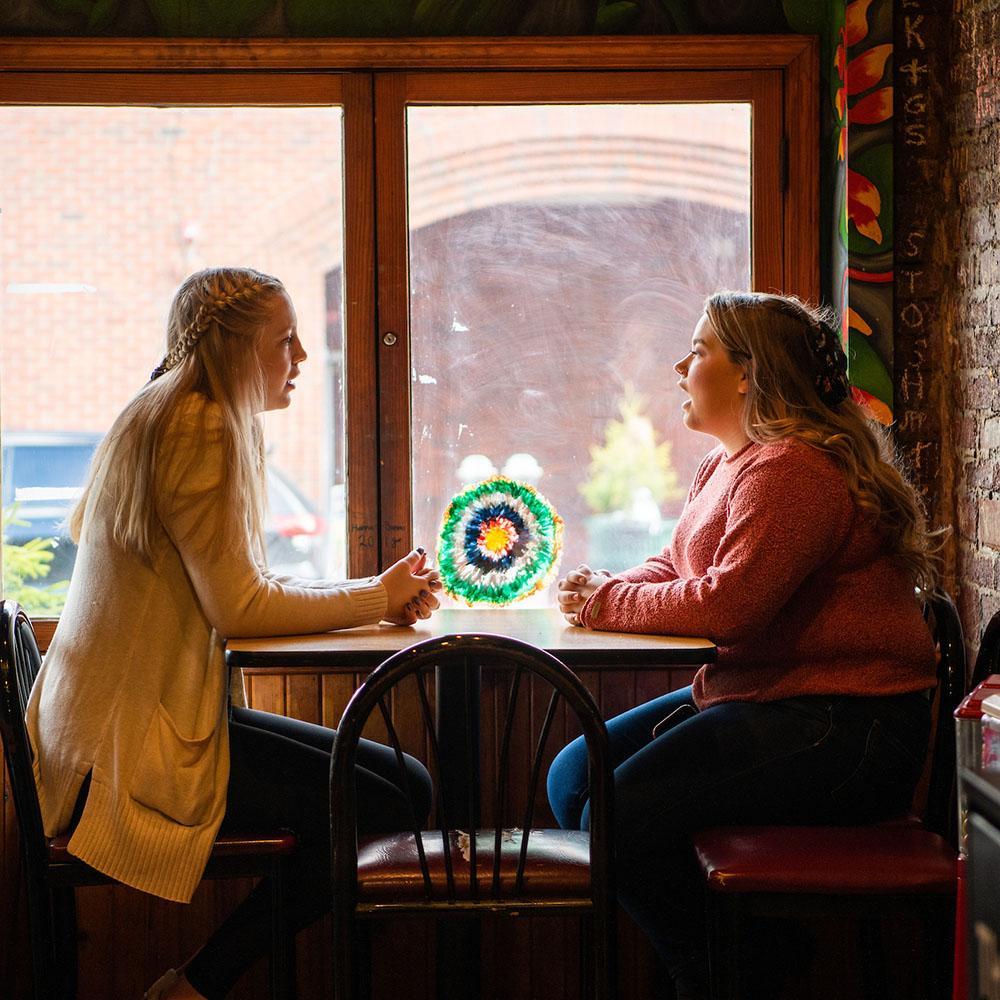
(369, 645)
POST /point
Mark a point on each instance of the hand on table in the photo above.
(575, 589)
(410, 586)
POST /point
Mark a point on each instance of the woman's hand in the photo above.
(575, 589)
(410, 587)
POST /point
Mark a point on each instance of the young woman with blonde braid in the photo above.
(141, 750)
(798, 553)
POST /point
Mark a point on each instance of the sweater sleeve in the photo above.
(656, 569)
(237, 597)
(788, 511)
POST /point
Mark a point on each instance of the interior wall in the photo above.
(971, 235)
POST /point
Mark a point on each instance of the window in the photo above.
(494, 270)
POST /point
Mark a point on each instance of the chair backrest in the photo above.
(456, 662)
(20, 662)
(988, 657)
(954, 683)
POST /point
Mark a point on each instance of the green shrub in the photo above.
(629, 462)
(30, 561)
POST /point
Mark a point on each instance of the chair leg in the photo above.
(281, 969)
(64, 940)
(873, 972)
(43, 937)
(586, 956)
(940, 947)
(723, 920)
(363, 959)
(343, 922)
(604, 949)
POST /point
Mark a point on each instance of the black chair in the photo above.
(506, 866)
(988, 657)
(52, 873)
(902, 866)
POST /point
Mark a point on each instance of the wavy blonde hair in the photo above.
(773, 338)
(213, 330)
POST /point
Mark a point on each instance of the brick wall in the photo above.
(974, 305)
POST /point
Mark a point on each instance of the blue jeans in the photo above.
(810, 760)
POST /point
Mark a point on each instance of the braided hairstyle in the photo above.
(797, 387)
(224, 296)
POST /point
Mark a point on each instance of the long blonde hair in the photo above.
(797, 387)
(212, 335)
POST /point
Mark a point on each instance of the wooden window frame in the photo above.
(778, 73)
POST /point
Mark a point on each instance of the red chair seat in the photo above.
(557, 865)
(826, 860)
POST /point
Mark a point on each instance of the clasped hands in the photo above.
(410, 586)
(576, 587)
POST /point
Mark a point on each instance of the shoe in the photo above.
(164, 983)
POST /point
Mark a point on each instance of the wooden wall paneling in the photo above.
(510, 974)
(128, 958)
(400, 950)
(650, 684)
(266, 692)
(550, 954)
(303, 699)
(680, 677)
(617, 692)
(335, 692)
(638, 973)
(95, 915)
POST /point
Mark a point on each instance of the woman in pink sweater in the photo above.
(798, 553)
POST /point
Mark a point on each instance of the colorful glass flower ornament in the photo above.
(500, 542)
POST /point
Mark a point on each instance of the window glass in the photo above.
(105, 211)
(559, 259)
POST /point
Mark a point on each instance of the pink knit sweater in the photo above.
(772, 560)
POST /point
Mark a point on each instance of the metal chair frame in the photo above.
(468, 653)
(52, 874)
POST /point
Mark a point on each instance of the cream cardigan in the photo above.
(133, 689)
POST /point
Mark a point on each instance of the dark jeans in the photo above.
(809, 760)
(280, 778)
